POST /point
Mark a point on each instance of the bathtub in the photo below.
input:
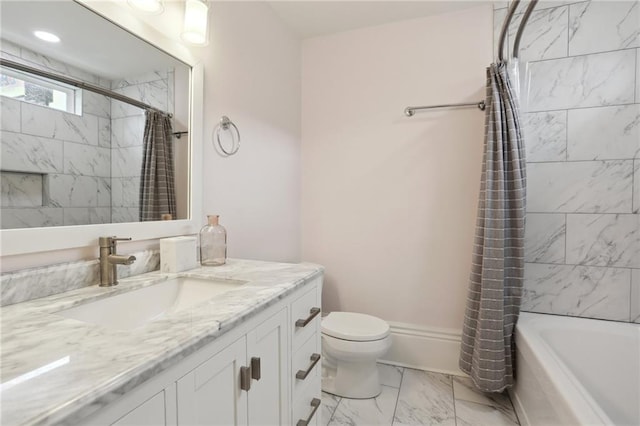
(575, 371)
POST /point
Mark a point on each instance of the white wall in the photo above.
(252, 74)
(388, 202)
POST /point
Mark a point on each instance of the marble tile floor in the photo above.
(412, 397)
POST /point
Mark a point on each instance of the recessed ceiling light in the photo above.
(43, 35)
(147, 6)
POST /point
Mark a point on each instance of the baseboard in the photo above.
(424, 348)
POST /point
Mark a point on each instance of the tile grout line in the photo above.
(568, 6)
(596, 160)
(395, 408)
(333, 413)
(566, 232)
(536, 61)
(569, 108)
(453, 395)
(636, 76)
(548, 7)
(630, 294)
(581, 264)
(586, 213)
(566, 135)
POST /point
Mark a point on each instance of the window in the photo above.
(40, 91)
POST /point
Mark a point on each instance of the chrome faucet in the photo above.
(109, 260)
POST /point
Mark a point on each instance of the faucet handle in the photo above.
(111, 241)
(114, 239)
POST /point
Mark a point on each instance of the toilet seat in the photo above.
(354, 327)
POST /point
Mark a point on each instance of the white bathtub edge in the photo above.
(566, 400)
(523, 419)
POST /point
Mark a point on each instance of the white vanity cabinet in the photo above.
(211, 394)
(245, 383)
(245, 377)
(150, 413)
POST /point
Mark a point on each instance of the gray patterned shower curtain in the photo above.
(495, 288)
(157, 185)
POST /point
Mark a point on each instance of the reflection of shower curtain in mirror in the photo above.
(157, 184)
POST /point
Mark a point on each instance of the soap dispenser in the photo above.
(213, 243)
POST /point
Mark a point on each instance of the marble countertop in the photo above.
(54, 369)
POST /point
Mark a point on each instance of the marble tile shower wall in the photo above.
(127, 130)
(55, 165)
(581, 116)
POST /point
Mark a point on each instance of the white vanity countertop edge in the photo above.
(55, 369)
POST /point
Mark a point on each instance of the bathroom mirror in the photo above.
(72, 158)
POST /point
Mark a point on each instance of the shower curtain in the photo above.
(495, 288)
(157, 185)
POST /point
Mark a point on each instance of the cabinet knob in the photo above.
(312, 314)
(315, 403)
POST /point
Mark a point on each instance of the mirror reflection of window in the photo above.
(39, 91)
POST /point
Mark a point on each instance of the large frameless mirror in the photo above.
(96, 123)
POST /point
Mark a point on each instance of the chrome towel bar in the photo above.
(409, 111)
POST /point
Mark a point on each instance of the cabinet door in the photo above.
(150, 413)
(211, 394)
(269, 396)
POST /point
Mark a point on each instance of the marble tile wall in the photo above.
(580, 70)
(127, 131)
(68, 154)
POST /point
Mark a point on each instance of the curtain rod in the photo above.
(79, 84)
(523, 24)
(505, 27)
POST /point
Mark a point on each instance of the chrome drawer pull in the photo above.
(315, 403)
(301, 374)
(312, 314)
(245, 378)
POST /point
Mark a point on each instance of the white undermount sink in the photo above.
(133, 309)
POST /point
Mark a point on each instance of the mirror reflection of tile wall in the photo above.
(127, 130)
(59, 168)
(581, 116)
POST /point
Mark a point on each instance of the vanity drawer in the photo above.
(307, 406)
(305, 314)
(306, 364)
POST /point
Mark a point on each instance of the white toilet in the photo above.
(351, 345)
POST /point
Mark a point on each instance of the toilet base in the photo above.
(359, 380)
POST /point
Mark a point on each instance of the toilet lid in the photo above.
(356, 327)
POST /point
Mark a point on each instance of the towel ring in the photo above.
(226, 124)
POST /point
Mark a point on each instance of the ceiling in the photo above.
(96, 45)
(88, 41)
(315, 18)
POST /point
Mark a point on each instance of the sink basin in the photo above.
(136, 308)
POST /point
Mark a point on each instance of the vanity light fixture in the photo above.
(47, 36)
(195, 22)
(147, 6)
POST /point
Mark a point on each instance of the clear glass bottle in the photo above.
(213, 243)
